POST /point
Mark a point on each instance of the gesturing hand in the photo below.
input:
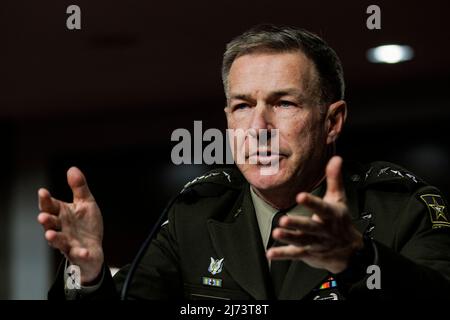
(76, 228)
(326, 240)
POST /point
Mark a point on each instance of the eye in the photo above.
(285, 104)
(240, 106)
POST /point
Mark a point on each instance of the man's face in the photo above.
(274, 91)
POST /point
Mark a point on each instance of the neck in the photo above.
(285, 197)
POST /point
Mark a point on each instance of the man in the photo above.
(313, 230)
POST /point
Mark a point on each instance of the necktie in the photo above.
(278, 268)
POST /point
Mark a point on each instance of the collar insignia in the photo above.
(215, 266)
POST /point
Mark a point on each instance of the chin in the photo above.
(253, 175)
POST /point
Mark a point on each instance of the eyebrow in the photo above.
(240, 96)
(279, 93)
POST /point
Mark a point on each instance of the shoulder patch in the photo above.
(438, 210)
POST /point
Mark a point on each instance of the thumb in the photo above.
(335, 185)
(78, 184)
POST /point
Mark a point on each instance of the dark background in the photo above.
(106, 98)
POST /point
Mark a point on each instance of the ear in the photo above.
(335, 119)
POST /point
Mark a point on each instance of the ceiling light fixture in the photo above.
(391, 53)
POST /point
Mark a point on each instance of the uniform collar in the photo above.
(265, 212)
(264, 215)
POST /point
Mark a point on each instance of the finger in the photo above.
(304, 224)
(314, 242)
(57, 240)
(78, 184)
(49, 221)
(79, 253)
(316, 204)
(288, 252)
(47, 203)
(335, 184)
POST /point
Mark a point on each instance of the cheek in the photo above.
(301, 134)
(230, 121)
(240, 119)
(237, 139)
(294, 132)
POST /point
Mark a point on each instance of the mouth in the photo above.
(264, 157)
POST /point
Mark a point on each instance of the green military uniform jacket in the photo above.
(211, 247)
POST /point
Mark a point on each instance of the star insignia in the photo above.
(368, 173)
(227, 176)
(383, 171)
(413, 178)
(397, 173)
(439, 211)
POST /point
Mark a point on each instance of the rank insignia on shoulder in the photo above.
(388, 171)
(216, 266)
(437, 209)
(203, 177)
(207, 177)
(213, 282)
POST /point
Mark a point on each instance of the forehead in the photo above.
(268, 71)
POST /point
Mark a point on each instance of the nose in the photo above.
(261, 131)
(261, 118)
